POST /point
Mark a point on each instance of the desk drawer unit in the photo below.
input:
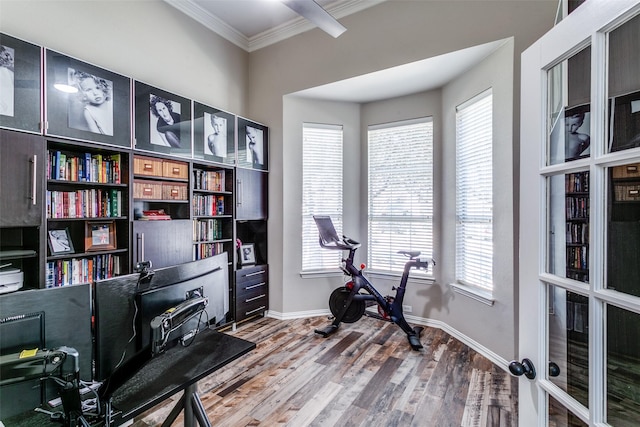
(252, 291)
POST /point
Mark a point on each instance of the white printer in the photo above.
(10, 279)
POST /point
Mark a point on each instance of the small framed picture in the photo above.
(100, 236)
(214, 134)
(20, 99)
(86, 102)
(163, 121)
(253, 145)
(60, 242)
(247, 254)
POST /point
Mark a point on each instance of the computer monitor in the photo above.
(43, 318)
(125, 306)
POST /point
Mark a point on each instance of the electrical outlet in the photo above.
(407, 308)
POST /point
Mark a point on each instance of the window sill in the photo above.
(420, 278)
(321, 273)
(477, 294)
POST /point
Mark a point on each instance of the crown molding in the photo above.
(210, 21)
(281, 32)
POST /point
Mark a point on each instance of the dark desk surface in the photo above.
(163, 376)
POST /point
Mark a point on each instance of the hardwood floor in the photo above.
(363, 375)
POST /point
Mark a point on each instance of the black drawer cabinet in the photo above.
(252, 291)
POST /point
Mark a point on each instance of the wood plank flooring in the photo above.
(364, 375)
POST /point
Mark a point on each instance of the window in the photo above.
(474, 192)
(321, 191)
(400, 192)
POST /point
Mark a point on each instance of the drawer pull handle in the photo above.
(147, 191)
(174, 192)
(634, 192)
(254, 286)
(255, 311)
(176, 171)
(632, 169)
(254, 274)
(148, 166)
(255, 298)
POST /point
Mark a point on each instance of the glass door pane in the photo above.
(624, 86)
(623, 229)
(623, 367)
(568, 224)
(568, 342)
(559, 416)
(569, 119)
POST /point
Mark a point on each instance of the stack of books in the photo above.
(154, 215)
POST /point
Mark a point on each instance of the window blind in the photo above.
(321, 191)
(474, 192)
(400, 188)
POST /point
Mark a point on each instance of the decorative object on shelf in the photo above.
(214, 134)
(100, 236)
(163, 121)
(86, 102)
(247, 254)
(60, 242)
(20, 69)
(253, 145)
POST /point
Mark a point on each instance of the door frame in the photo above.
(587, 25)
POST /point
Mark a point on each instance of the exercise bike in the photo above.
(348, 304)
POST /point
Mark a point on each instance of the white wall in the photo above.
(493, 326)
(147, 40)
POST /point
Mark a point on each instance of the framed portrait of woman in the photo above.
(253, 145)
(163, 121)
(214, 134)
(20, 87)
(86, 102)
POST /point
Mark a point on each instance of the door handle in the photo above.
(525, 367)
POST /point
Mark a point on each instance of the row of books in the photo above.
(85, 167)
(578, 257)
(206, 250)
(578, 233)
(205, 230)
(89, 203)
(73, 271)
(208, 205)
(577, 182)
(577, 207)
(208, 180)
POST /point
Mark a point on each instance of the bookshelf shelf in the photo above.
(85, 184)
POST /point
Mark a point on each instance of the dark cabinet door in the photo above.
(164, 243)
(22, 166)
(251, 194)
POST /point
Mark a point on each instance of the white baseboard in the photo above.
(492, 356)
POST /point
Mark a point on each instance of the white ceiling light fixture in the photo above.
(313, 12)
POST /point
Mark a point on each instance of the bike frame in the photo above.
(393, 309)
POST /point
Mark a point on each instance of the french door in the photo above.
(579, 302)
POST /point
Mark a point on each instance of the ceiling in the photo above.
(254, 24)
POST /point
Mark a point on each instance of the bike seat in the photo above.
(410, 254)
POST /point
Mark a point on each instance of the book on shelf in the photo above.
(85, 167)
(154, 215)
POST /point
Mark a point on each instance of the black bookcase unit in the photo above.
(252, 277)
(22, 243)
